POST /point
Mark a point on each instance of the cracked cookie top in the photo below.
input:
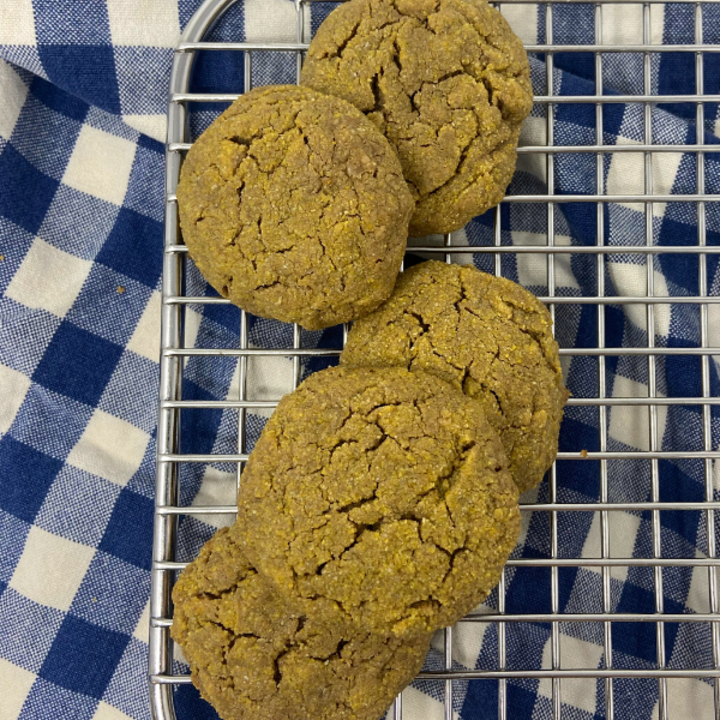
(294, 207)
(383, 492)
(488, 336)
(448, 83)
(254, 657)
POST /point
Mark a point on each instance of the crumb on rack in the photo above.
(120, 289)
(584, 453)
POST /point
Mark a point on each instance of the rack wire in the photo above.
(174, 354)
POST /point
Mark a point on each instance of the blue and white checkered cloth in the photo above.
(83, 87)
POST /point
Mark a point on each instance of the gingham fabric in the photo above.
(83, 89)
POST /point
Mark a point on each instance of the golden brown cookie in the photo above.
(488, 336)
(448, 83)
(254, 657)
(293, 205)
(383, 492)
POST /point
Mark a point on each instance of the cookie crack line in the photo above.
(277, 673)
(339, 51)
(536, 337)
(363, 529)
(335, 655)
(207, 595)
(325, 252)
(424, 325)
(234, 635)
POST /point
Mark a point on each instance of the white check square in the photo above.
(13, 387)
(143, 23)
(155, 126)
(574, 653)
(110, 448)
(523, 19)
(16, 685)
(145, 341)
(688, 698)
(14, 93)
(100, 165)
(271, 20)
(417, 704)
(17, 23)
(217, 488)
(51, 569)
(49, 279)
(630, 424)
(622, 531)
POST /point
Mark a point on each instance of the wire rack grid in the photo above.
(175, 353)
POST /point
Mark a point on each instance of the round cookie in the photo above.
(384, 492)
(448, 83)
(487, 335)
(254, 657)
(294, 207)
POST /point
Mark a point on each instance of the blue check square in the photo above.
(77, 364)
(78, 506)
(92, 68)
(134, 247)
(139, 483)
(59, 100)
(46, 138)
(126, 394)
(273, 69)
(146, 189)
(50, 422)
(199, 426)
(83, 656)
(192, 535)
(113, 594)
(208, 376)
(66, 21)
(28, 629)
(191, 705)
(25, 192)
(25, 476)
(127, 690)
(24, 335)
(136, 512)
(111, 123)
(26, 60)
(254, 427)
(143, 93)
(15, 243)
(78, 223)
(109, 304)
(47, 701)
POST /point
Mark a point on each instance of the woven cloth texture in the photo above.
(83, 97)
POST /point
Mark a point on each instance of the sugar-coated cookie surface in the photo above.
(448, 83)
(488, 336)
(383, 492)
(293, 205)
(255, 657)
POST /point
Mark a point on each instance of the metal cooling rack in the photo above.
(174, 303)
